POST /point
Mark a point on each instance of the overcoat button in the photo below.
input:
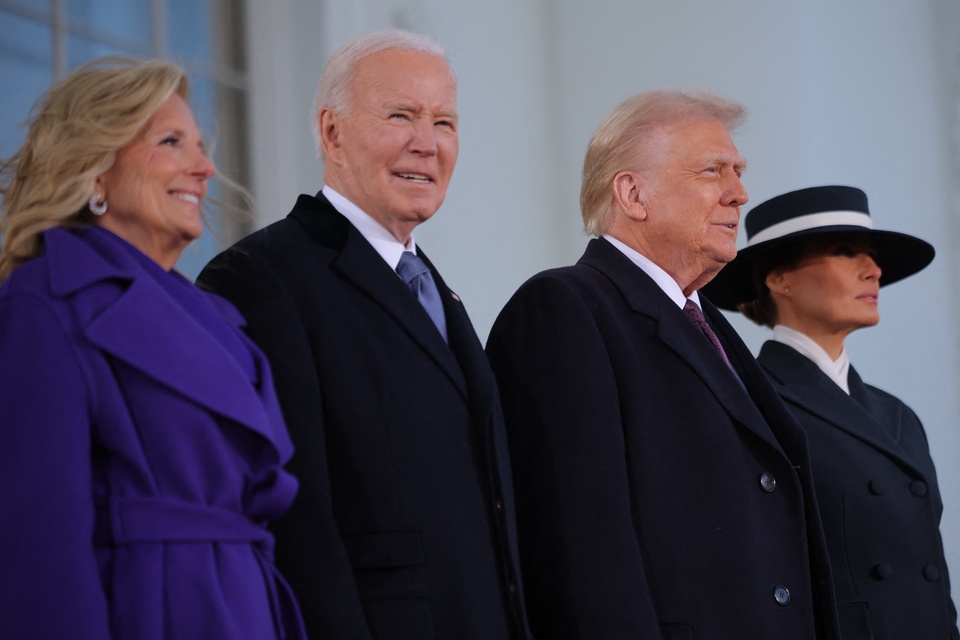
(768, 482)
(918, 488)
(931, 573)
(877, 487)
(782, 595)
(882, 571)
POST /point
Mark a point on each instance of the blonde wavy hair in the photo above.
(75, 130)
(627, 139)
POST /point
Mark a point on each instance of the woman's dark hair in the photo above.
(760, 307)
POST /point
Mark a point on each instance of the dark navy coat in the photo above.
(403, 526)
(657, 497)
(879, 502)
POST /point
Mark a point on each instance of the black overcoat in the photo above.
(657, 497)
(403, 525)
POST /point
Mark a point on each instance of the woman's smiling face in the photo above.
(156, 185)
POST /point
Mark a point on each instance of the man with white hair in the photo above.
(403, 527)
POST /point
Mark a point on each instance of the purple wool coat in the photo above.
(138, 463)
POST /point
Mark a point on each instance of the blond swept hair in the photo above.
(75, 130)
(627, 139)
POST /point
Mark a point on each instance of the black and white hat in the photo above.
(799, 215)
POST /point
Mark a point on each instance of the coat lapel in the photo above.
(801, 383)
(362, 266)
(137, 322)
(473, 367)
(679, 334)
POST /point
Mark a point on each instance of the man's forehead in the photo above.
(409, 81)
(403, 63)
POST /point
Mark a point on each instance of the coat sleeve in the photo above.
(309, 550)
(583, 571)
(49, 581)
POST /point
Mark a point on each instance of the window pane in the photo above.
(25, 72)
(124, 18)
(188, 29)
(81, 50)
(43, 5)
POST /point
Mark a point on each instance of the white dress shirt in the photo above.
(389, 248)
(836, 370)
(661, 277)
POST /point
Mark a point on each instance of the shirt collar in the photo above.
(663, 279)
(837, 370)
(389, 248)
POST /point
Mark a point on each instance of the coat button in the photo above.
(768, 482)
(918, 488)
(782, 595)
(882, 571)
(931, 573)
(877, 487)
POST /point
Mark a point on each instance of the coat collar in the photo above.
(359, 263)
(678, 333)
(124, 312)
(800, 382)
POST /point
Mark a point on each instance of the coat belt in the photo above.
(139, 520)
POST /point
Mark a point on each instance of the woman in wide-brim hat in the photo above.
(812, 270)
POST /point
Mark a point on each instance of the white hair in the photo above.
(333, 90)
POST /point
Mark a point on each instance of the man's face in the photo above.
(393, 150)
(693, 198)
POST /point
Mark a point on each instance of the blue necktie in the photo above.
(416, 275)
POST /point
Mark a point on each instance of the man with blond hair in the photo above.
(403, 527)
(662, 488)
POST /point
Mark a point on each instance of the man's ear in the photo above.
(629, 194)
(329, 126)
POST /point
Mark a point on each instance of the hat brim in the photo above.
(898, 255)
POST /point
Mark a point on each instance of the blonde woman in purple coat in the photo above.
(141, 444)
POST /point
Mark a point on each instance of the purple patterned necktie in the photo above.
(695, 314)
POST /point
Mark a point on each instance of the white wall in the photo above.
(854, 92)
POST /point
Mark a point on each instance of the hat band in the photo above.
(812, 221)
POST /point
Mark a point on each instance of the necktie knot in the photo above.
(416, 275)
(411, 268)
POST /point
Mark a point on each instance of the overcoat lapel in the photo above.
(359, 263)
(679, 334)
(802, 383)
(144, 327)
(474, 368)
